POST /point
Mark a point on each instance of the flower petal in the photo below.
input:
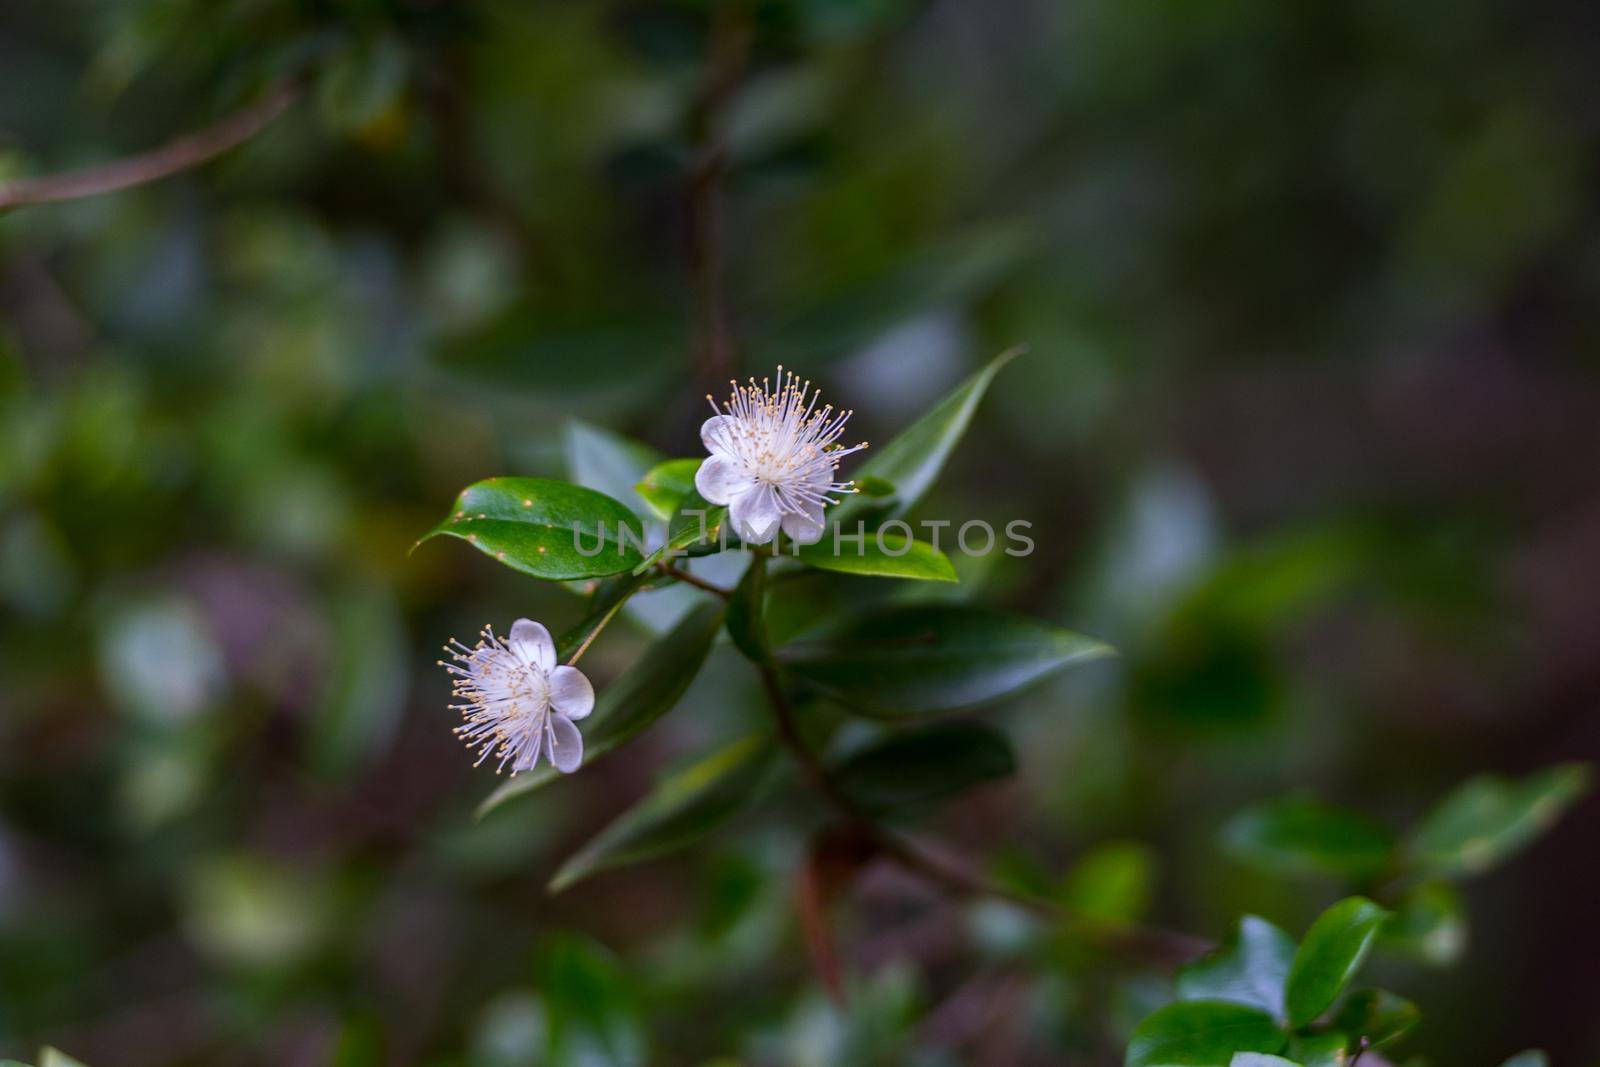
(805, 527)
(570, 692)
(755, 515)
(563, 745)
(531, 642)
(718, 433)
(721, 478)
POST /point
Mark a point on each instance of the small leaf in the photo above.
(746, 612)
(1331, 954)
(1112, 882)
(877, 554)
(647, 690)
(1252, 968)
(912, 461)
(1298, 835)
(1201, 1033)
(1430, 924)
(685, 806)
(666, 485)
(537, 526)
(917, 768)
(695, 530)
(1377, 1015)
(1319, 1050)
(934, 658)
(873, 486)
(1490, 817)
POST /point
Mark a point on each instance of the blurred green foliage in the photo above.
(1306, 430)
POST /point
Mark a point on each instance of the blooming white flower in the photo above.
(517, 703)
(773, 459)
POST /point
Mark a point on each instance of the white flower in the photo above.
(773, 459)
(517, 703)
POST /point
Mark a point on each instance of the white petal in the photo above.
(804, 528)
(718, 433)
(531, 642)
(755, 515)
(563, 745)
(721, 478)
(570, 692)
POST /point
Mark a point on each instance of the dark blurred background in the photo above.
(1309, 428)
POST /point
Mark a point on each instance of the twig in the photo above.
(713, 332)
(1164, 947)
(181, 154)
(699, 583)
(594, 633)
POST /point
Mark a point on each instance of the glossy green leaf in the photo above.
(681, 809)
(1429, 924)
(1299, 835)
(1319, 1050)
(747, 612)
(881, 555)
(647, 690)
(609, 463)
(665, 486)
(1377, 1015)
(1329, 957)
(1112, 882)
(917, 768)
(1201, 1033)
(934, 658)
(546, 528)
(1251, 968)
(1490, 817)
(911, 462)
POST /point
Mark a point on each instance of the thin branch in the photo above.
(594, 633)
(699, 583)
(707, 209)
(1163, 947)
(181, 154)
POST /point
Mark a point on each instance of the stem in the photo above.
(699, 583)
(594, 633)
(177, 155)
(1163, 947)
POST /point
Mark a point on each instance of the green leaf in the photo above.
(918, 768)
(647, 690)
(1299, 835)
(1430, 924)
(1490, 817)
(1251, 968)
(746, 612)
(1319, 1050)
(1531, 1058)
(1377, 1015)
(1260, 1059)
(1201, 1033)
(911, 462)
(935, 657)
(536, 526)
(665, 486)
(1331, 954)
(877, 554)
(1112, 882)
(609, 463)
(680, 810)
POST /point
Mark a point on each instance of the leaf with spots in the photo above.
(546, 528)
